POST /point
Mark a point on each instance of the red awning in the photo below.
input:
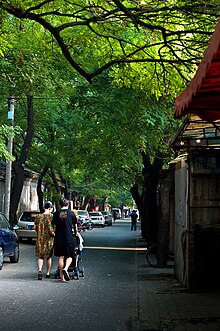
(202, 96)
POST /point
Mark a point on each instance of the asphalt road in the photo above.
(102, 300)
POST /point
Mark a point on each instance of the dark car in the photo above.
(108, 217)
(9, 242)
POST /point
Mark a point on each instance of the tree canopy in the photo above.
(138, 55)
(94, 36)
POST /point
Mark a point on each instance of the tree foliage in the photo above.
(5, 133)
(138, 56)
(154, 37)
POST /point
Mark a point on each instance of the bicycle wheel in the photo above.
(151, 255)
(90, 226)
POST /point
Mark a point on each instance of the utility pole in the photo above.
(11, 101)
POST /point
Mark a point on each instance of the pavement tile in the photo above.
(162, 303)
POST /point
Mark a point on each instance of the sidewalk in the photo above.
(164, 304)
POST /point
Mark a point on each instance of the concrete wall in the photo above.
(204, 199)
(29, 198)
(197, 226)
(204, 219)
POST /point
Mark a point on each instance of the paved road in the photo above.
(102, 300)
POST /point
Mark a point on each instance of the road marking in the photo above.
(117, 248)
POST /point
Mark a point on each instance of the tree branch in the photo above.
(113, 19)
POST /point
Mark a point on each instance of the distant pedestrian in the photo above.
(134, 217)
(114, 215)
(65, 223)
(45, 239)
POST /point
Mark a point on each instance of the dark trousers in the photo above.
(133, 225)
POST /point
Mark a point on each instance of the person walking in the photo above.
(65, 223)
(134, 217)
(114, 216)
(45, 239)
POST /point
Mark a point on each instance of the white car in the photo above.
(97, 218)
(108, 217)
(83, 215)
(25, 225)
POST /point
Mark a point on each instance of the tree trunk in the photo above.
(151, 178)
(86, 202)
(150, 206)
(18, 165)
(102, 204)
(66, 192)
(17, 187)
(147, 201)
(57, 187)
(164, 220)
(92, 204)
(39, 189)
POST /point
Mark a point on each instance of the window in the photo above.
(3, 222)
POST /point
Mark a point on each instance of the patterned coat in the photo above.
(45, 235)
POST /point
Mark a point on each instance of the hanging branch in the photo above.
(167, 24)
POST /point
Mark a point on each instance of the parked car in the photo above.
(117, 211)
(108, 217)
(83, 215)
(97, 218)
(9, 242)
(25, 225)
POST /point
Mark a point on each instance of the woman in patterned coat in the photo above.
(45, 239)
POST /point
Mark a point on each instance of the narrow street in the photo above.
(101, 300)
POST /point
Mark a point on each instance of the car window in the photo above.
(28, 217)
(3, 222)
(82, 213)
(95, 214)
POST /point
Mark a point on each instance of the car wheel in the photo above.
(15, 257)
(1, 258)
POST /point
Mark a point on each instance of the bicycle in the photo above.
(152, 256)
(88, 225)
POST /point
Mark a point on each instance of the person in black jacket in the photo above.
(65, 223)
(134, 217)
(114, 216)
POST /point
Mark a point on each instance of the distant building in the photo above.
(29, 198)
